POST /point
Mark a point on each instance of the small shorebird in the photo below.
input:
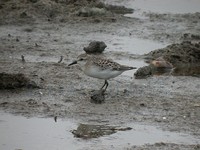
(100, 68)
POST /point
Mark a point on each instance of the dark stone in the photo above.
(144, 72)
(95, 47)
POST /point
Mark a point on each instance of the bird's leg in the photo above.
(105, 85)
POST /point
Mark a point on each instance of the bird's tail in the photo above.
(127, 68)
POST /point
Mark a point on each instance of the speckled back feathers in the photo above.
(108, 64)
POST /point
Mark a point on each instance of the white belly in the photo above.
(95, 72)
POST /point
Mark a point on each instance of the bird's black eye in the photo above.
(81, 59)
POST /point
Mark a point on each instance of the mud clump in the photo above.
(13, 81)
(144, 72)
(95, 131)
(98, 97)
(95, 47)
(148, 71)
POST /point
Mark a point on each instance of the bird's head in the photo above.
(81, 59)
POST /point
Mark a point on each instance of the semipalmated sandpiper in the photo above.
(100, 68)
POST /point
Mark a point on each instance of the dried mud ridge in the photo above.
(13, 81)
(185, 53)
(55, 10)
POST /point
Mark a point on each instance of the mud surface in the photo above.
(43, 36)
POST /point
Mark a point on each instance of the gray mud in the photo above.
(170, 102)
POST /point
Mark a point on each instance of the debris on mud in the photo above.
(95, 47)
(12, 81)
(95, 131)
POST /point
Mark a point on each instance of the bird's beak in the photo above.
(73, 63)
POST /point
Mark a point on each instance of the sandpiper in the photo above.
(100, 68)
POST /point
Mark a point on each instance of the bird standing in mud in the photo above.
(100, 68)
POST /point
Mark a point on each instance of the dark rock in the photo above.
(144, 72)
(95, 47)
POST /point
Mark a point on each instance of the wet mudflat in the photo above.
(163, 108)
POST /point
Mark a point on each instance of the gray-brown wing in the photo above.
(109, 64)
(106, 63)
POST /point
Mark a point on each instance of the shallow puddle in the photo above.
(17, 132)
(133, 45)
